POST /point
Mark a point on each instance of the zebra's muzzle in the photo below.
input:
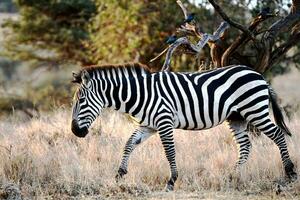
(79, 132)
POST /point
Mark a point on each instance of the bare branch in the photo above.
(268, 39)
(279, 52)
(160, 54)
(187, 28)
(216, 51)
(184, 41)
(216, 45)
(172, 48)
(222, 55)
(220, 30)
(182, 8)
(231, 22)
(295, 6)
(190, 30)
(242, 39)
(205, 38)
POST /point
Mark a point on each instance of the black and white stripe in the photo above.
(164, 101)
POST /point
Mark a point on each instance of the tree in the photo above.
(123, 31)
(263, 43)
(270, 48)
(50, 31)
(98, 31)
(89, 32)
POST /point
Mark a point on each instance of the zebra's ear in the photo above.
(76, 78)
(85, 77)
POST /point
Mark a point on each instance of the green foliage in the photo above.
(105, 31)
(125, 30)
(50, 30)
(116, 31)
(91, 32)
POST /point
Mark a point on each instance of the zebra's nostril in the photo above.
(79, 132)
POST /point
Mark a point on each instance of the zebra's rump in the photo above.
(203, 100)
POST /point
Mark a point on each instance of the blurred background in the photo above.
(43, 41)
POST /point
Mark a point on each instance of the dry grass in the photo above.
(47, 161)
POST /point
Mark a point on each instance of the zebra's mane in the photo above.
(94, 68)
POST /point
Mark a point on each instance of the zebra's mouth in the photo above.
(79, 132)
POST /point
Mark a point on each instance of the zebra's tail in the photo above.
(278, 116)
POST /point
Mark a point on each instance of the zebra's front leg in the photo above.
(242, 140)
(166, 136)
(139, 135)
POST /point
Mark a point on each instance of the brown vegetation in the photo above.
(46, 160)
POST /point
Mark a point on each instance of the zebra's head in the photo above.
(87, 105)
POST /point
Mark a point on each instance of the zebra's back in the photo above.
(203, 100)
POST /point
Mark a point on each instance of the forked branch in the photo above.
(189, 28)
(205, 38)
(243, 38)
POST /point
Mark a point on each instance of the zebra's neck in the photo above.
(121, 88)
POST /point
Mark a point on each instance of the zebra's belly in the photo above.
(196, 122)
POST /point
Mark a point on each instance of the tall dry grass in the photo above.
(46, 160)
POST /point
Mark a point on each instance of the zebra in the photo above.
(164, 101)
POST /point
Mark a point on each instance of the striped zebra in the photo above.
(163, 101)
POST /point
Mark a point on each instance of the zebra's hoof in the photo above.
(120, 175)
(278, 189)
(169, 188)
(290, 173)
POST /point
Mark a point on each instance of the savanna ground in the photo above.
(46, 161)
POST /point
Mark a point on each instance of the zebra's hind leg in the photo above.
(139, 135)
(167, 139)
(265, 125)
(240, 134)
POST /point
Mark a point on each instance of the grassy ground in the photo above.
(46, 161)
